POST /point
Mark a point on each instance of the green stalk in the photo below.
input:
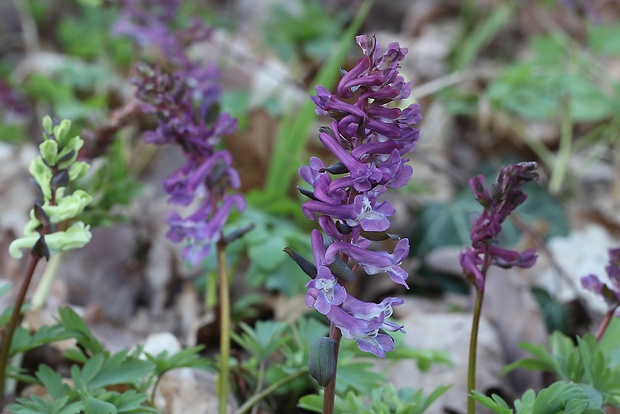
(14, 321)
(259, 382)
(224, 327)
(473, 347)
(270, 389)
(210, 288)
(473, 340)
(329, 396)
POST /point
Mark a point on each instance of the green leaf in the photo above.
(495, 402)
(91, 368)
(95, 406)
(52, 381)
(187, 358)
(121, 370)
(74, 324)
(263, 340)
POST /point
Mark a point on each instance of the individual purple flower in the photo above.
(375, 262)
(610, 292)
(324, 291)
(364, 331)
(367, 311)
(498, 201)
(201, 229)
(369, 136)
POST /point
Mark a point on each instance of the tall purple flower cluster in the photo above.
(184, 99)
(611, 293)
(369, 137)
(498, 201)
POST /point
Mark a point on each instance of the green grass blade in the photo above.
(293, 133)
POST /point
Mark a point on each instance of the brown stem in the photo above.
(329, 396)
(13, 322)
(605, 323)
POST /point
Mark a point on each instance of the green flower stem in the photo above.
(473, 347)
(473, 340)
(259, 382)
(14, 321)
(605, 323)
(329, 396)
(42, 291)
(270, 389)
(224, 327)
(210, 291)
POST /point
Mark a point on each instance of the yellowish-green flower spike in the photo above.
(58, 152)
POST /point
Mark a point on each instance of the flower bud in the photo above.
(49, 151)
(378, 235)
(60, 179)
(322, 360)
(341, 270)
(77, 170)
(61, 132)
(336, 168)
(303, 263)
(47, 124)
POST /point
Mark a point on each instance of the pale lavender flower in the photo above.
(364, 331)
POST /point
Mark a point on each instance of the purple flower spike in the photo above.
(498, 200)
(185, 102)
(369, 137)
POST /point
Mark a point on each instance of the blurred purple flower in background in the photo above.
(369, 137)
(185, 100)
(611, 293)
(498, 200)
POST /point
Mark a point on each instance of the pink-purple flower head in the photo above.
(499, 200)
(609, 292)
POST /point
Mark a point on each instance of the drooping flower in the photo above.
(369, 137)
(498, 201)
